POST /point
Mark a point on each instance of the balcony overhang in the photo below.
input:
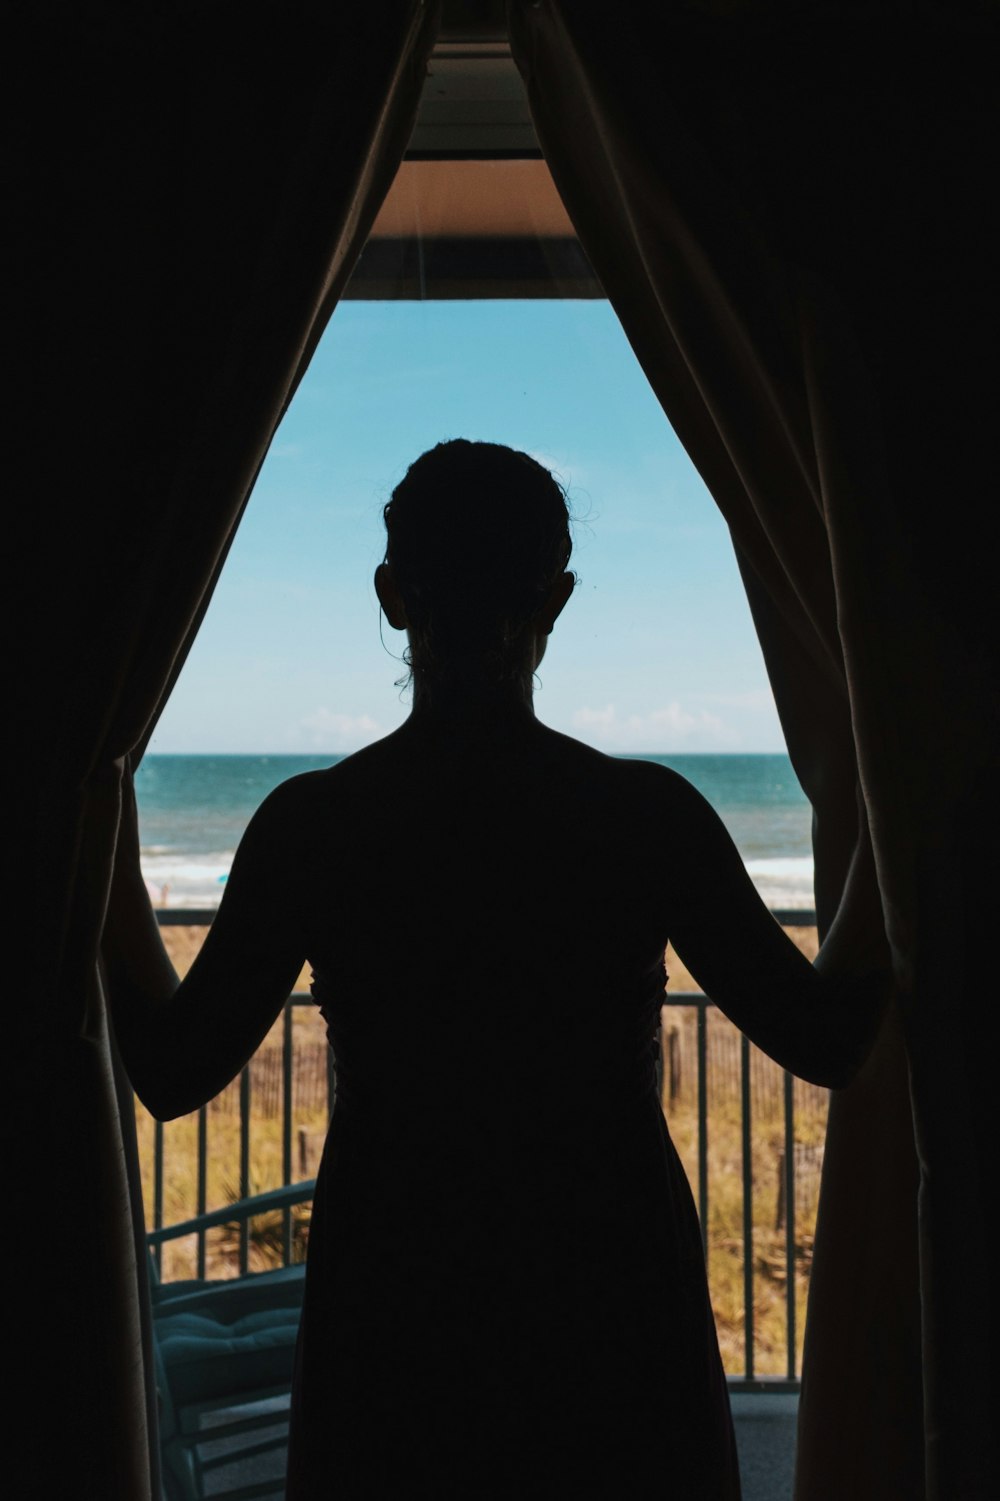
(473, 211)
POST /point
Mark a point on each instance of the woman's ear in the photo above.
(556, 600)
(389, 597)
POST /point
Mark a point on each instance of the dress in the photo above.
(505, 1293)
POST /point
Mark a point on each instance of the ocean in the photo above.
(193, 810)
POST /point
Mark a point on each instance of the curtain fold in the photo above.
(785, 205)
(197, 184)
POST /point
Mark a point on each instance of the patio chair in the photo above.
(224, 1353)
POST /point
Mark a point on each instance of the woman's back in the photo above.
(505, 1264)
(514, 892)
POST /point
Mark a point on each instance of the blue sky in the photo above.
(655, 652)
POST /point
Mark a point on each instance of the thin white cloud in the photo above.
(761, 699)
(668, 728)
(325, 730)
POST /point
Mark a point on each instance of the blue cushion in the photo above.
(208, 1358)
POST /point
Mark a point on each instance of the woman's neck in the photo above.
(470, 704)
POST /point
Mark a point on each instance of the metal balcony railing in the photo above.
(735, 1062)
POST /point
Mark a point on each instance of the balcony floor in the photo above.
(765, 1437)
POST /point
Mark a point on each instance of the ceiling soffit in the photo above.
(473, 210)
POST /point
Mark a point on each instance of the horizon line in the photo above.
(638, 753)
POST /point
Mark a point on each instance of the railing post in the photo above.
(674, 1075)
(158, 1189)
(789, 1197)
(286, 1125)
(244, 1166)
(202, 1186)
(747, 1165)
(703, 1121)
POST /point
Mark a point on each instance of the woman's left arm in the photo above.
(817, 1020)
(183, 1040)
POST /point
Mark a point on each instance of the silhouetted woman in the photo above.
(505, 1293)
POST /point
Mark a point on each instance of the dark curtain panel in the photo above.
(194, 185)
(786, 205)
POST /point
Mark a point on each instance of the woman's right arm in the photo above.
(183, 1040)
(818, 1021)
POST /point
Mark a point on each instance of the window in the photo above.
(473, 312)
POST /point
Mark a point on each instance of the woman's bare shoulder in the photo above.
(309, 791)
(656, 788)
(623, 785)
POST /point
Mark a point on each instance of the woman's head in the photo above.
(477, 540)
